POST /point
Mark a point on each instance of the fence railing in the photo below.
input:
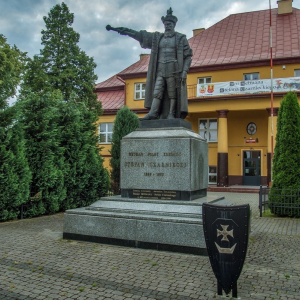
(263, 199)
(281, 202)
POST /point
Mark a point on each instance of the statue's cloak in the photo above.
(150, 40)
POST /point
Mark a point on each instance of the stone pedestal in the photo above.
(164, 169)
(164, 163)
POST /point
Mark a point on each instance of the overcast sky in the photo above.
(21, 22)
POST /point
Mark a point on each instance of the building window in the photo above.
(297, 73)
(204, 80)
(105, 132)
(208, 129)
(212, 174)
(251, 76)
(139, 91)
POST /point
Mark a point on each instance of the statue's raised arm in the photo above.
(170, 60)
(125, 31)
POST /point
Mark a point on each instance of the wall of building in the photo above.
(279, 71)
(241, 111)
(130, 85)
(105, 147)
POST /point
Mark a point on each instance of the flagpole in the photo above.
(272, 108)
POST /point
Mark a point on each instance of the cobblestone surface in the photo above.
(36, 263)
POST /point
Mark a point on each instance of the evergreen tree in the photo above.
(72, 163)
(126, 121)
(286, 161)
(15, 175)
(14, 171)
(62, 65)
(35, 78)
(85, 177)
(40, 116)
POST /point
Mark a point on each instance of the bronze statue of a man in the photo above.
(170, 60)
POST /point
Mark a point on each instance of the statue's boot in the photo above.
(171, 114)
(153, 113)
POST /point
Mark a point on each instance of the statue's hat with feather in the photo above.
(169, 17)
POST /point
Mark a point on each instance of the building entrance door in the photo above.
(251, 168)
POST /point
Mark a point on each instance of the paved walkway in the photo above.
(37, 264)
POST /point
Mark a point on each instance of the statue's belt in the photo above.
(168, 61)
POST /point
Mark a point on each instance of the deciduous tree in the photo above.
(11, 67)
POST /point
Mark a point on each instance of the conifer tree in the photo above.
(62, 65)
(14, 171)
(126, 121)
(15, 175)
(40, 116)
(286, 161)
(85, 177)
(62, 79)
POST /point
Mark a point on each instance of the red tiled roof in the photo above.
(112, 99)
(245, 37)
(111, 93)
(240, 38)
(139, 67)
(111, 82)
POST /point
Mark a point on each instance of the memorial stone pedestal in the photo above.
(164, 177)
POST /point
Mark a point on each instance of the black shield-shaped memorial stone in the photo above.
(226, 231)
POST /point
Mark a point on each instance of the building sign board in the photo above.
(248, 87)
(250, 141)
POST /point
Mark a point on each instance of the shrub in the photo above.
(286, 161)
(126, 121)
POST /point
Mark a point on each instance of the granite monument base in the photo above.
(170, 225)
(164, 159)
(164, 177)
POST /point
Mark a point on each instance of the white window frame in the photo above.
(139, 90)
(251, 75)
(204, 80)
(212, 174)
(107, 133)
(297, 73)
(208, 129)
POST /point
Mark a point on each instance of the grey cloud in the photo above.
(22, 21)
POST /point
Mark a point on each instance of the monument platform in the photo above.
(164, 180)
(161, 161)
(170, 225)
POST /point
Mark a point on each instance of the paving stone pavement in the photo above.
(36, 263)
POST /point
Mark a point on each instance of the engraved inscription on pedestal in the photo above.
(154, 194)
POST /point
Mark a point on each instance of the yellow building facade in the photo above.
(238, 127)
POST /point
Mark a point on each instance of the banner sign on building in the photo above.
(248, 87)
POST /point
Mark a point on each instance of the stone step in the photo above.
(139, 215)
(172, 225)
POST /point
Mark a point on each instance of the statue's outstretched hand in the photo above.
(125, 31)
(120, 30)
